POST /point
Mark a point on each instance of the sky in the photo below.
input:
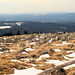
(36, 6)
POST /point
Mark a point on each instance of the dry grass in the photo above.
(42, 46)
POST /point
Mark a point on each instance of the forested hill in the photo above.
(32, 27)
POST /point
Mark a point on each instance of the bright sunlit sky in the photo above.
(36, 6)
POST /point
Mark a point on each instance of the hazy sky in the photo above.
(36, 6)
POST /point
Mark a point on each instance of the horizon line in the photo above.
(34, 13)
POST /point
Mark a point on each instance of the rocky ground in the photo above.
(30, 54)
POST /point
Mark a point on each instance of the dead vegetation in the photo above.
(14, 56)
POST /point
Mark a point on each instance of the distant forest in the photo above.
(18, 33)
(30, 27)
(11, 33)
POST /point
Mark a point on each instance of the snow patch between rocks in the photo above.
(29, 71)
(29, 49)
(50, 40)
(63, 43)
(45, 55)
(71, 55)
(57, 50)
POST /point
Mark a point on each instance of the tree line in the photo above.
(18, 33)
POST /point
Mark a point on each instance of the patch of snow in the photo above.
(1, 52)
(24, 53)
(19, 23)
(17, 45)
(25, 59)
(15, 60)
(11, 50)
(9, 23)
(1, 43)
(56, 62)
(71, 55)
(63, 43)
(5, 27)
(29, 71)
(50, 40)
(29, 49)
(58, 44)
(32, 42)
(66, 57)
(67, 67)
(56, 36)
(57, 50)
(45, 55)
(4, 38)
(33, 65)
(36, 38)
(69, 51)
(6, 55)
(41, 36)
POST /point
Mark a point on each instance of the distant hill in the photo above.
(51, 17)
(43, 27)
